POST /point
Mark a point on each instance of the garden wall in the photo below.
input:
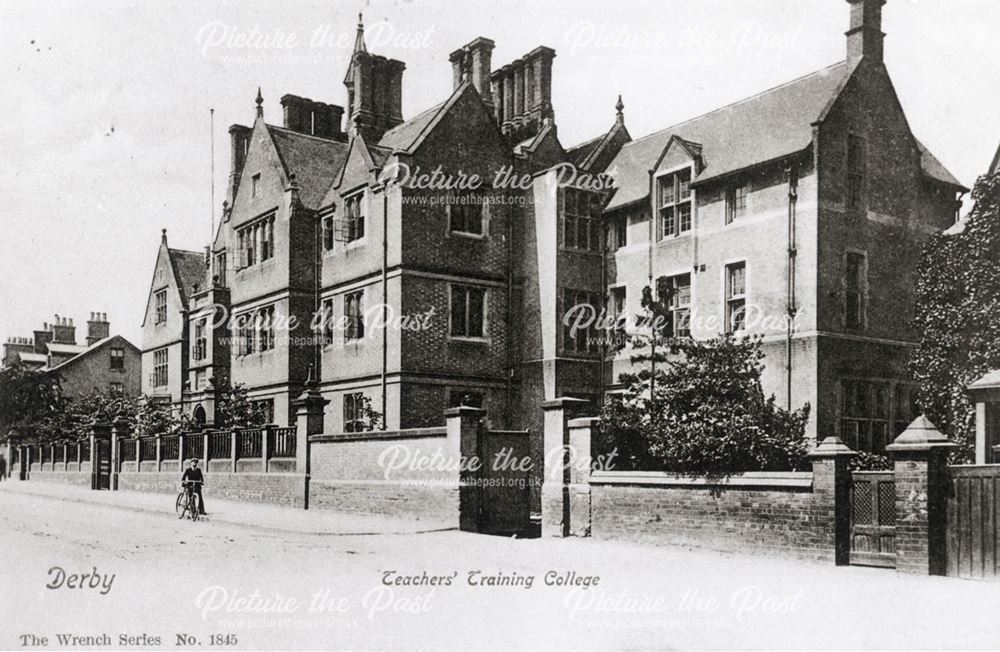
(394, 473)
(765, 513)
(286, 489)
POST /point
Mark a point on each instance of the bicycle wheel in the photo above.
(181, 505)
(194, 507)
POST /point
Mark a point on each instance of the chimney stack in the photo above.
(374, 91)
(474, 62)
(63, 331)
(522, 94)
(865, 38)
(239, 144)
(307, 116)
(98, 328)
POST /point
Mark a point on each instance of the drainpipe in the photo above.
(792, 174)
(652, 288)
(385, 297)
(508, 418)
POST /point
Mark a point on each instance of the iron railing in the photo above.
(219, 446)
(147, 448)
(281, 442)
(126, 449)
(248, 443)
(194, 445)
(170, 447)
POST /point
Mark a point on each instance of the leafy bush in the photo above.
(704, 411)
(957, 317)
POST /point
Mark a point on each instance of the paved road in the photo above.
(269, 589)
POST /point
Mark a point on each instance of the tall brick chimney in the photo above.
(473, 62)
(98, 327)
(15, 346)
(239, 143)
(374, 91)
(865, 37)
(63, 331)
(307, 116)
(42, 338)
(522, 94)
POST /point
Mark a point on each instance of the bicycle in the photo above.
(187, 501)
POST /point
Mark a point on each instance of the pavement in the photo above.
(230, 512)
(233, 584)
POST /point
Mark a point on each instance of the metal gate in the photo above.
(973, 513)
(873, 519)
(504, 483)
(101, 460)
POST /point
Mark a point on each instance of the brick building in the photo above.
(106, 363)
(811, 199)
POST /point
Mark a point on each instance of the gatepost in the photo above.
(832, 480)
(309, 409)
(99, 431)
(119, 431)
(564, 439)
(464, 426)
(920, 458)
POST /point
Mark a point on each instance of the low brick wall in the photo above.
(356, 473)
(762, 513)
(271, 488)
(79, 478)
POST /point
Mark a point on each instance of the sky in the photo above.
(106, 136)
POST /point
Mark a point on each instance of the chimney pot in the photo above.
(865, 38)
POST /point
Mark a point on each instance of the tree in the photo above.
(237, 410)
(27, 397)
(706, 412)
(957, 317)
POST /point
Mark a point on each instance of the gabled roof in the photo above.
(761, 128)
(585, 154)
(934, 169)
(88, 350)
(64, 349)
(32, 357)
(189, 270)
(580, 153)
(404, 135)
(314, 161)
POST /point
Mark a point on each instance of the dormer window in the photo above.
(674, 204)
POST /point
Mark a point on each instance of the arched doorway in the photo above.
(199, 415)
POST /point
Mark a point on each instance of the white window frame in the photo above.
(486, 302)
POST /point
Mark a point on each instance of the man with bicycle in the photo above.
(194, 478)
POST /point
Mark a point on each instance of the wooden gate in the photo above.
(101, 461)
(504, 485)
(972, 540)
(873, 519)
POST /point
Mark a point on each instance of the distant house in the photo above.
(106, 363)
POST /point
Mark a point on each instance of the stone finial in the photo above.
(163, 236)
(831, 447)
(359, 40)
(260, 103)
(920, 435)
(620, 110)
